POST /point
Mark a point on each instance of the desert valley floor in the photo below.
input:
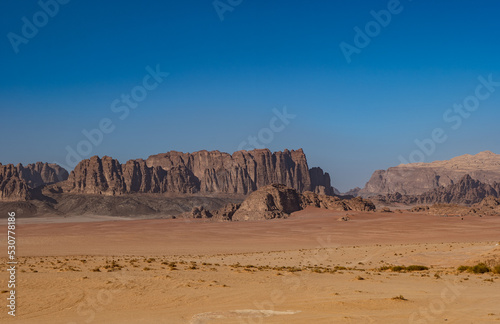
(309, 268)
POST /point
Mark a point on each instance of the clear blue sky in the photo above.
(225, 78)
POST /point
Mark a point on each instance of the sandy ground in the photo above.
(309, 268)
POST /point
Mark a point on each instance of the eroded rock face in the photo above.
(18, 182)
(466, 191)
(419, 178)
(273, 201)
(206, 172)
(39, 174)
(12, 187)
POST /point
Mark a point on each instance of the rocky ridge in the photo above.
(200, 172)
(419, 178)
(19, 182)
(466, 191)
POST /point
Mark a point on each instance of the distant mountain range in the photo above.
(105, 186)
(419, 178)
(200, 173)
(465, 191)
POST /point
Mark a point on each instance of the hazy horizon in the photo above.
(216, 78)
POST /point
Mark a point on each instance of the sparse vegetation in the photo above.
(477, 269)
(400, 297)
(409, 268)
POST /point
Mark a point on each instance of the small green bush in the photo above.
(496, 269)
(463, 268)
(480, 268)
(416, 268)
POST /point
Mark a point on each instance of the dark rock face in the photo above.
(419, 178)
(39, 174)
(321, 183)
(18, 182)
(465, 191)
(222, 214)
(206, 172)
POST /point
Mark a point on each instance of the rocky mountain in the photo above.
(39, 174)
(199, 172)
(18, 182)
(466, 191)
(12, 187)
(418, 178)
(353, 192)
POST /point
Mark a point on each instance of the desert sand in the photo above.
(309, 268)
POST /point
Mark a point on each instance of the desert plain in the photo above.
(308, 268)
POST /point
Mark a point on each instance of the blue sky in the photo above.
(226, 77)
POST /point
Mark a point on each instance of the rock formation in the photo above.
(39, 174)
(418, 178)
(466, 191)
(273, 201)
(12, 187)
(353, 192)
(205, 172)
(18, 182)
(278, 201)
(336, 203)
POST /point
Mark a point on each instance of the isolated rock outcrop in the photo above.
(206, 172)
(273, 201)
(336, 203)
(419, 178)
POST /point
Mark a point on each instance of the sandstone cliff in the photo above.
(18, 182)
(12, 187)
(418, 178)
(206, 172)
(466, 191)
